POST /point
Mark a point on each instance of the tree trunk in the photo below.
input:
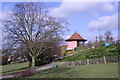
(33, 62)
(104, 59)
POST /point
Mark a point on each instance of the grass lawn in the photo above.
(12, 68)
(109, 70)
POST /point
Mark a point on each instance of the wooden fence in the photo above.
(89, 61)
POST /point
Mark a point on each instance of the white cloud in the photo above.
(105, 23)
(88, 36)
(5, 14)
(67, 9)
(115, 36)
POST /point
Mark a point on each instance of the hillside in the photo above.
(93, 53)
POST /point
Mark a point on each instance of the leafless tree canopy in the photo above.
(31, 25)
(108, 35)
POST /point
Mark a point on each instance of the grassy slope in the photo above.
(7, 69)
(109, 70)
(93, 53)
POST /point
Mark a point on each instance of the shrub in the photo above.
(40, 62)
(28, 72)
(70, 52)
(98, 52)
(4, 60)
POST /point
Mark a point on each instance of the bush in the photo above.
(25, 73)
(98, 52)
(69, 52)
(4, 60)
(39, 62)
(81, 48)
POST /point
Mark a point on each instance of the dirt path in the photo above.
(47, 66)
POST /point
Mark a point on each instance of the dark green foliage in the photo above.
(4, 60)
(98, 52)
(112, 50)
(38, 63)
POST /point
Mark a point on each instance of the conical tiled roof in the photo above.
(76, 37)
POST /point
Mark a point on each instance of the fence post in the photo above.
(87, 61)
(104, 59)
(97, 61)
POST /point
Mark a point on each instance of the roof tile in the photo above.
(76, 36)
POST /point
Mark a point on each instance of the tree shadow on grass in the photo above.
(16, 70)
(54, 70)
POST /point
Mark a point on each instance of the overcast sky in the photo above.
(83, 17)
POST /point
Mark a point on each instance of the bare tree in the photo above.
(8, 44)
(107, 35)
(111, 39)
(31, 25)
